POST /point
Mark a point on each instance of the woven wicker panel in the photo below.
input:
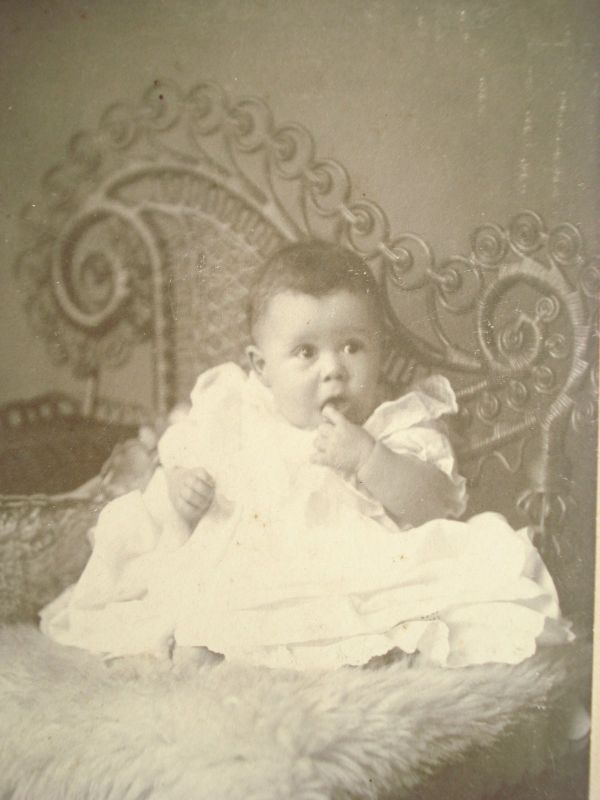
(43, 548)
(208, 269)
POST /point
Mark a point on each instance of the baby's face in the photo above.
(312, 351)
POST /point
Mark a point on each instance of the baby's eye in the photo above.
(353, 346)
(305, 351)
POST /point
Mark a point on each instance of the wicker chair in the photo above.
(147, 238)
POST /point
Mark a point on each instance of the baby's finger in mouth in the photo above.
(334, 410)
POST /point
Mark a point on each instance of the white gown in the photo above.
(295, 566)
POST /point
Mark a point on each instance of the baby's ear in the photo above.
(257, 362)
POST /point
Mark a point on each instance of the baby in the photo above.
(316, 321)
(300, 517)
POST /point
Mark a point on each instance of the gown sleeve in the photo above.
(414, 425)
(203, 436)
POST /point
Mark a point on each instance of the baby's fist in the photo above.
(191, 491)
(341, 444)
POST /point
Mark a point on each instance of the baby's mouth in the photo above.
(341, 404)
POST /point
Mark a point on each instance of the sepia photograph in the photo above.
(298, 399)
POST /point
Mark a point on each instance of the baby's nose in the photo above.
(332, 367)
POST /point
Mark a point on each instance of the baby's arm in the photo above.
(412, 491)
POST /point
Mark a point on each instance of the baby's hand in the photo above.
(191, 491)
(341, 444)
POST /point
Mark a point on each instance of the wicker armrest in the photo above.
(48, 446)
(43, 538)
(43, 548)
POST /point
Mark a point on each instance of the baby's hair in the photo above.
(314, 268)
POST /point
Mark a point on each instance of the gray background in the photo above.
(447, 114)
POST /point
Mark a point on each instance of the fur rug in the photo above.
(75, 728)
